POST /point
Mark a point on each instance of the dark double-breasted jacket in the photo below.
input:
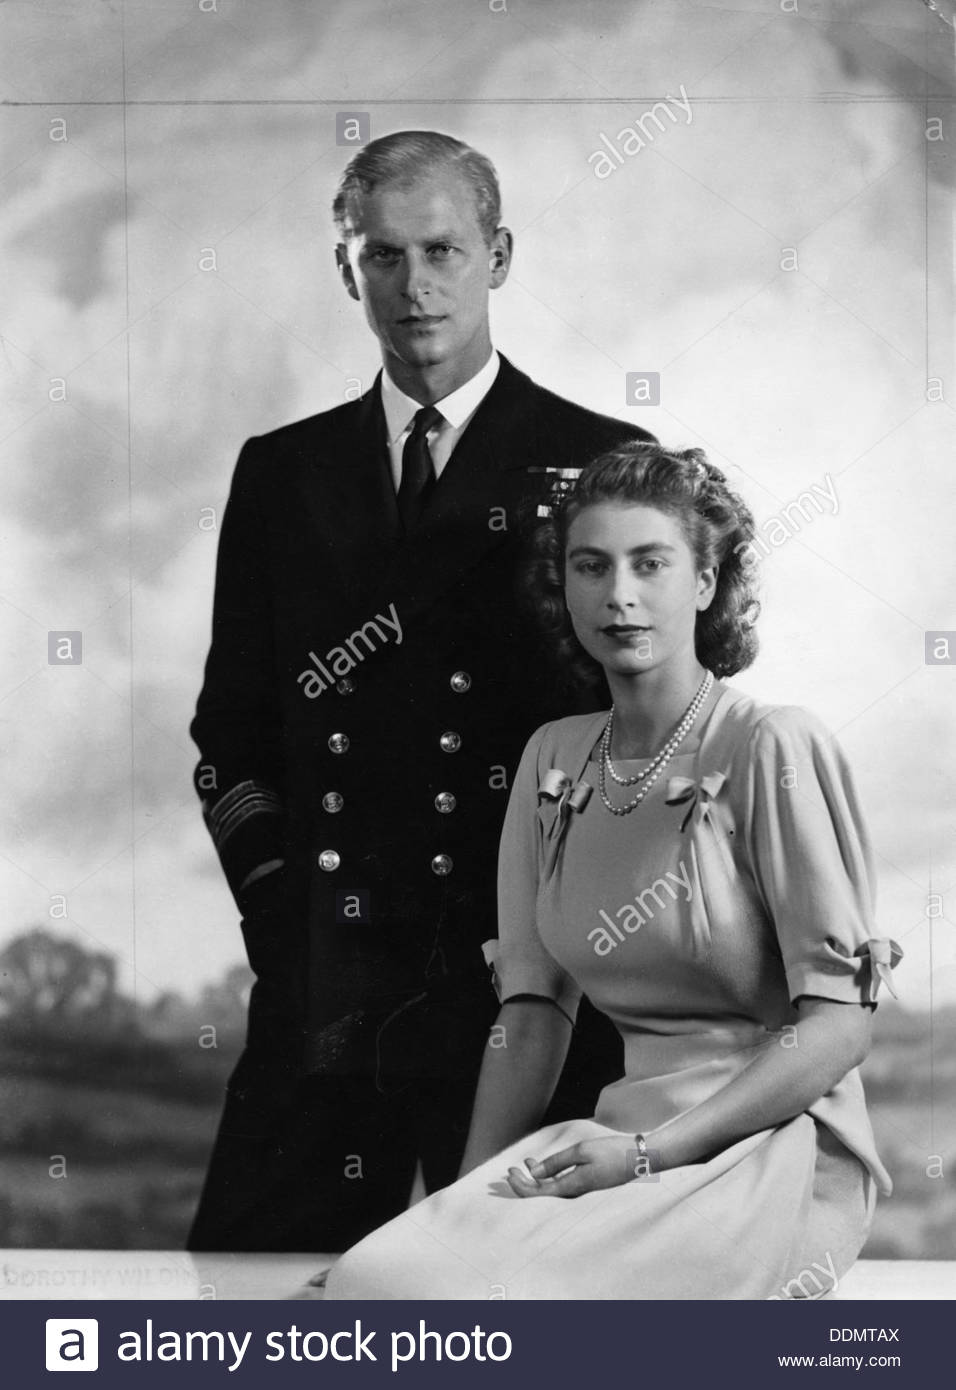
(366, 699)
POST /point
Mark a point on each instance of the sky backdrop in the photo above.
(779, 250)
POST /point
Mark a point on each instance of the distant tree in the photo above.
(222, 1004)
(49, 982)
(51, 979)
(169, 1016)
(225, 1002)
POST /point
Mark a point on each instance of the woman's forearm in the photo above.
(525, 1053)
(827, 1041)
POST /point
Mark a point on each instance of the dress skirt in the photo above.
(782, 1214)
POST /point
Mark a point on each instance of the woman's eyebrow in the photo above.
(635, 550)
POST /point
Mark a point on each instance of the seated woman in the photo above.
(695, 862)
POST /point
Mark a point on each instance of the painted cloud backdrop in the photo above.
(780, 253)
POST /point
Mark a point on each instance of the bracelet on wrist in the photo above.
(643, 1165)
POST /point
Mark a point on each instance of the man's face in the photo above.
(419, 264)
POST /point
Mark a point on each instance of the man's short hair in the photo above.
(408, 155)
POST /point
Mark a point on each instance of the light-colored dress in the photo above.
(743, 881)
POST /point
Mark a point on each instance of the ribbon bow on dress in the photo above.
(557, 798)
(708, 849)
(883, 955)
(556, 788)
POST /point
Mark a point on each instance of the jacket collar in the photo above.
(354, 508)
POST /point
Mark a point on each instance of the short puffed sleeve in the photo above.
(812, 860)
(519, 961)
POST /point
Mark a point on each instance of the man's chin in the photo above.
(425, 348)
(425, 356)
(422, 355)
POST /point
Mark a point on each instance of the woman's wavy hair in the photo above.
(717, 525)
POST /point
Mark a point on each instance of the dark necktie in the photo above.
(417, 467)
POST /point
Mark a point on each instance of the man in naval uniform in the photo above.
(368, 692)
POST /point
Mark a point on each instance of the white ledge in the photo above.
(155, 1274)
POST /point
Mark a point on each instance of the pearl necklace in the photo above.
(650, 774)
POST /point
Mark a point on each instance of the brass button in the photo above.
(450, 742)
(333, 801)
(441, 865)
(460, 682)
(445, 802)
(339, 743)
(346, 686)
(329, 860)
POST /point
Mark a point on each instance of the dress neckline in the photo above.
(686, 750)
(595, 757)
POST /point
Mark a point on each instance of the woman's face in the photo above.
(632, 587)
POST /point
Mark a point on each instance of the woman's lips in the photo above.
(624, 635)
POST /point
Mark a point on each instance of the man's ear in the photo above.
(500, 250)
(345, 270)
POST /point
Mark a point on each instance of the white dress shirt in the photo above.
(456, 409)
